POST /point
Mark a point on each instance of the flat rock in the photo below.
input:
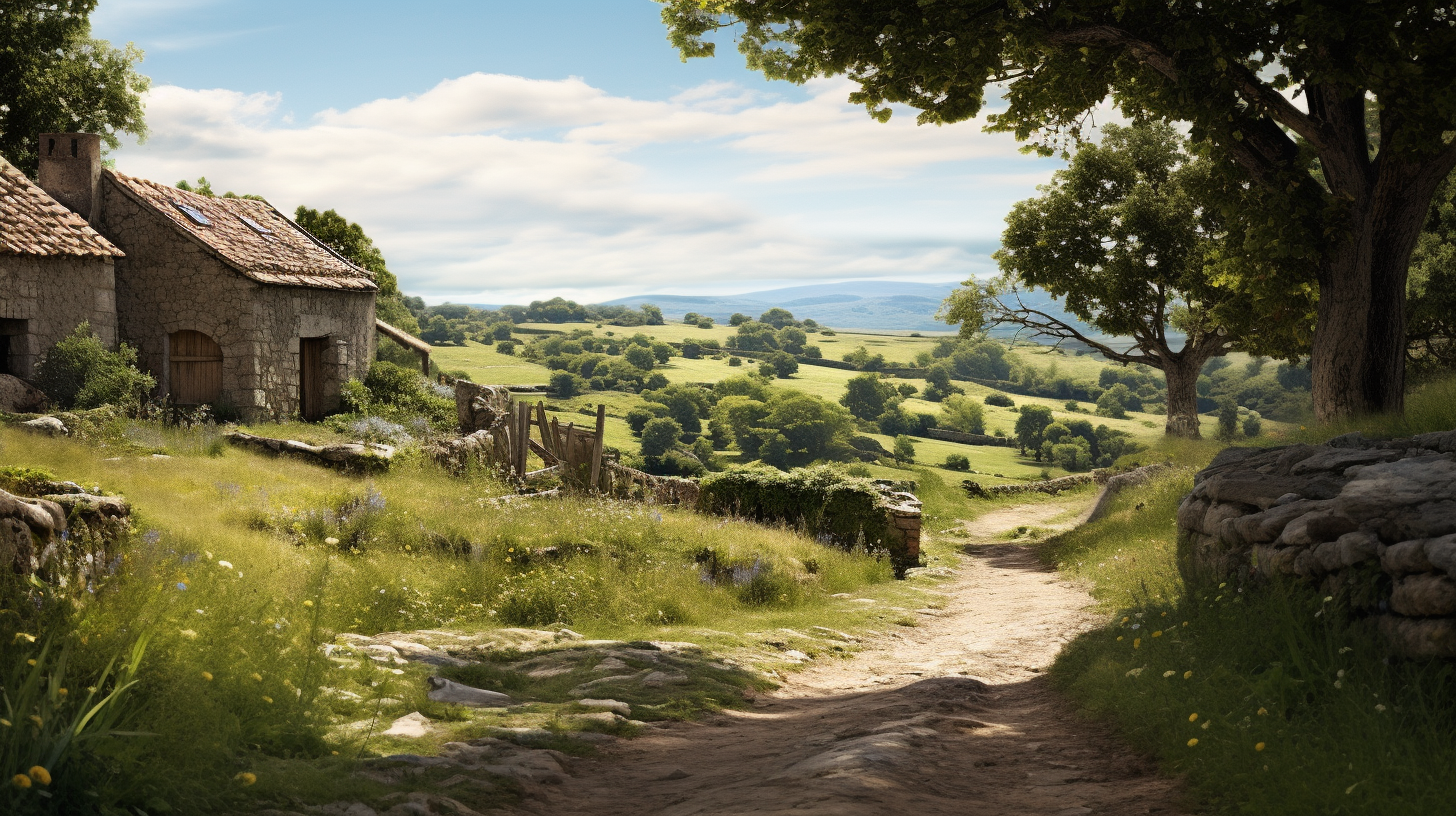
(46, 426)
(611, 705)
(449, 691)
(412, 725)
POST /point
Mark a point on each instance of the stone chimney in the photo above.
(70, 169)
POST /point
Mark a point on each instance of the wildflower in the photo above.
(510, 549)
(1339, 684)
(1169, 673)
(1258, 746)
(1206, 724)
(258, 677)
(225, 564)
(61, 692)
(267, 699)
(331, 541)
(20, 781)
(189, 634)
(181, 587)
(1380, 707)
(5, 722)
(1263, 712)
(308, 604)
(1340, 673)
(1119, 638)
(1125, 619)
(30, 662)
(246, 778)
(40, 775)
(207, 675)
(1158, 633)
(1185, 623)
(1137, 642)
(1193, 717)
(1192, 742)
(35, 718)
(19, 636)
(1344, 649)
(1188, 675)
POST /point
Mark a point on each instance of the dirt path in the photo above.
(950, 717)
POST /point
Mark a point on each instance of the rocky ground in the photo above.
(948, 716)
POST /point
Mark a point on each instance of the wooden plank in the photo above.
(523, 432)
(596, 454)
(541, 423)
(546, 456)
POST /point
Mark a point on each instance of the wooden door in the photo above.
(311, 377)
(195, 369)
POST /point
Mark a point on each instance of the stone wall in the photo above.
(44, 298)
(169, 282)
(1372, 523)
(969, 438)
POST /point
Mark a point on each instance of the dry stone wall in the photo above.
(169, 282)
(1371, 522)
(44, 298)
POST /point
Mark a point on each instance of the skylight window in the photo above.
(256, 227)
(193, 213)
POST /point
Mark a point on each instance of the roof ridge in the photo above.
(33, 222)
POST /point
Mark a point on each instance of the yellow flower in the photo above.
(5, 722)
(258, 677)
(1192, 742)
(1119, 638)
(408, 547)
(189, 634)
(1188, 675)
(20, 781)
(35, 718)
(1193, 717)
(308, 604)
(19, 636)
(30, 662)
(510, 549)
(40, 775)
(1137, 642)
(246, 778)
(1125, 619)
(61, 692)
(1263, 711)
(1169, 673)
(207, 675)
(1258, 746)
(1206, 724)
(267, 699)
(1158, 633)
(1185, 623)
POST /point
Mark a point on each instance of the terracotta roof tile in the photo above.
(285, 254)
(33, 223)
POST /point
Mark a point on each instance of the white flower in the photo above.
(225, 564)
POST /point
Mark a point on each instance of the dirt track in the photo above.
(950, 717)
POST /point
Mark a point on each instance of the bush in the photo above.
(565, 385)
(637, 419)
(660, 435)
(784, 364)
(79, 372)
(506, 347)
(956, 461)
(1000, 400)
(1252, 425)
(904, 449)
(735, 361)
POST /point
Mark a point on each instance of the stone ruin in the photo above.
(1370, 522)
(63, 534)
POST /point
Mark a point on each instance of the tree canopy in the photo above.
(1274, 94)
(56, 78)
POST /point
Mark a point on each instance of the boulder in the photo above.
(449, 691)
(46, 426)
(20, 397)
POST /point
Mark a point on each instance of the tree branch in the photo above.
(1044, 325)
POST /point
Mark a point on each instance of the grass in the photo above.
(1268, 699)
(243, 567)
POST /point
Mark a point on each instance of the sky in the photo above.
(504, 152)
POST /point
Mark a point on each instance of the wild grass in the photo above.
(244, 566)
(1269, 699)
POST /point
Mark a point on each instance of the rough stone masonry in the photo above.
(1371, 522)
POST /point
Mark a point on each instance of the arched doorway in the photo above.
(195, 368)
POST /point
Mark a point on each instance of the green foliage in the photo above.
(660, 435)
(784, 365)
(735, 361)
(687, 404)
(963, 414)
(1228, 419)
(783, 428)
(640, 357)
(999, 400)
(1431, 288)
(904, 450)
(1113, 401)
(778, 318)
(565, 385)
(80, 372)
(1033, 420)
(400, 394)
(865, 361)
(956, 461)
(55, 78)
(822, 501)
(1252, 425)
(867, 396)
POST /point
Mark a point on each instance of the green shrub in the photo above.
(660, 435)
(1000, 400)
(638, 417)
(564, 384)
(957, 461)
(80, 372)
(904, 449)
(735, 361)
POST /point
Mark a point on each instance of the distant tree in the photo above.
(755, 336)
(691, 350)
(686, 404)
(961, 413)
(999, 400)
(638, 417)
(864, 360)
(906, 390)
(640, 356)
(652, 315)
(734, 362)
(1030, 425)
(565, 385)
(792, 339)
(784, 364)
(506, 347)
(691, 318)
(778, 318)
(1112, 403)
(55, 78)
(937, 382)
(660, 435)
(904, 449)
(1121, 236)
(705, 323)
(738, 319)
(957, 461)
(867, 396)
(1252, 425)
(1228, 418)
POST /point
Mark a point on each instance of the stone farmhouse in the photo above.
(228, 302)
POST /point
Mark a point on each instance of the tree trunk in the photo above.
(1182, 379)
(1358, 355)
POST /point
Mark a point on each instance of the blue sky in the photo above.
(506, 151)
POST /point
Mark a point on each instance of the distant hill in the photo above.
(880, 305)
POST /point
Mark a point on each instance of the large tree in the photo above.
(1120, 236)
(55, 78)
(1274, 92)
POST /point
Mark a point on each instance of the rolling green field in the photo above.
(990, 465)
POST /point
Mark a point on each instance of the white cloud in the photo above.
(499, 184)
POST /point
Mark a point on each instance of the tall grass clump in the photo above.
(1270, 698)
